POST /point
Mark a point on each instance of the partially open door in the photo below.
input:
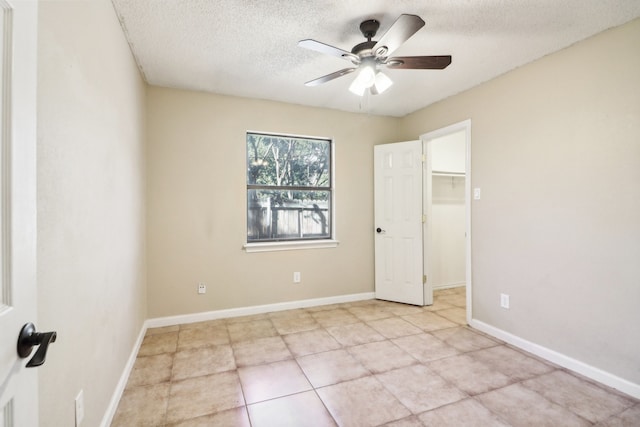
(18, 296)
(398, 222)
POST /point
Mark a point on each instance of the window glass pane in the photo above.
(288, 215)
(274, 160)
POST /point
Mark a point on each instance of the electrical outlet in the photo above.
(504, 301)
(202, 288)
(296, 277)
(79, 408)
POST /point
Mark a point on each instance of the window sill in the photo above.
(289, 246)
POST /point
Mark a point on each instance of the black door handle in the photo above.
(380, 230)
(29, 338)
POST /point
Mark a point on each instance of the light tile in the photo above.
(579, 396)
(337, 316)
(354, 334)
(381, 356)
(149, 370)
(467, 413)
(456, 315)
(202, 361)
(162, 330)
(200, 396)
(276, 379)
(463, 339)
(203, 336)
(428, 321)
(331, 367)
(403, 309)
(260, 351)
(394, 327)
(511, 363)
(290, 325)
(389, 339)
(251, 329)
(419, 388)
(437, 305)
(468, 374)
(412, 421)
(362, 402)
(206, 324)
(248, 318)
(302, 409)
(425, 347)
(459, 300)
(142, 406)
(628, 418)
(158, 344)
(295, 313)
(316, 341)
(520, 406)
(369, 312)
(236, 417)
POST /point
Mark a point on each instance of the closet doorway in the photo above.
(447, 206)
(422, 216)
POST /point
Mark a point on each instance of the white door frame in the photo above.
(464, 125)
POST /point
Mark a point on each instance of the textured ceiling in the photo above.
(249, 48)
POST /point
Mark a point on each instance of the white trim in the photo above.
(159, 322)
(6, 102)
(122, 383)
(563, 360)
(289, 246)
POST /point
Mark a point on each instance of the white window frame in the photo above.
(297, 244)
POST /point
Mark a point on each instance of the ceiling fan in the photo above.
(370, 56)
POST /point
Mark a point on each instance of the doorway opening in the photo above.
(447, 205)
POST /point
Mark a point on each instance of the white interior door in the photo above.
(398, 221)
(18, 384)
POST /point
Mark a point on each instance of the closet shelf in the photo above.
(442, 173)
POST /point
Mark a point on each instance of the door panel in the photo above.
(398, 222)
(18, 385)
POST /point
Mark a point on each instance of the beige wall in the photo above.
(556, 151)
(196, 200)
(91, 268)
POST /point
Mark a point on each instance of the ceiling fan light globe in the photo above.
(356, 88)
(382, 82)
(364, 80)
(368, 76)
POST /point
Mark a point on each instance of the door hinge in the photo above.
(424, 219)
(424, 158)
(424, 279)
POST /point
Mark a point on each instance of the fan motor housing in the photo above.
(361, 48)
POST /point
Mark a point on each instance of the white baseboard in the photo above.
(560, 359)
(256, 309)
(122, 382)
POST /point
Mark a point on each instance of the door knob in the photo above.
(380, 230)
(29, 338)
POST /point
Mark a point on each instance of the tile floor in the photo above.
(367, 363)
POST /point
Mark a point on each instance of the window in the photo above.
(289, 188)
